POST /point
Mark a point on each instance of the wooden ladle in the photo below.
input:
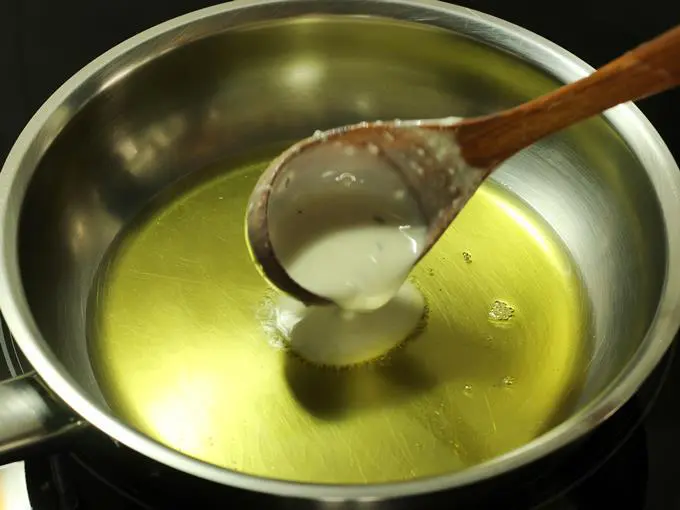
(443, 162)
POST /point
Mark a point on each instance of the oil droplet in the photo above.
(346, 178)
(419, 445)
(373, 149)
(349, 151)
(467, 257)
(467, 389)
(501, 311)
(453, 443)
(508, 381)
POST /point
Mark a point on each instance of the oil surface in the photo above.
(180, 351)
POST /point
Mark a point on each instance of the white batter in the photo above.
(328, 335)
(350, 234)
(358, 267)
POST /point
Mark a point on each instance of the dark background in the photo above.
(43, 42)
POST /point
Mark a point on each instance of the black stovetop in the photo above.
(629, 462)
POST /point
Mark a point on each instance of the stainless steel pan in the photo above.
(608, 187)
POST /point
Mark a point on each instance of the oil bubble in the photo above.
(346, 178)
(501, 311)
(508, 381)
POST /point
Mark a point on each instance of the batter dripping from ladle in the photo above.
(350, 233)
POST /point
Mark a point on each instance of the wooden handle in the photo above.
(648, 69)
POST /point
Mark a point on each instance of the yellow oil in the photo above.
(180, 351)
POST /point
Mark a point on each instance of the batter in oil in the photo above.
(184, 348)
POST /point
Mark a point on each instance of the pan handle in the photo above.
(31, 419)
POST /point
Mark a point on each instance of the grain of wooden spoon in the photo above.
(443, 162)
